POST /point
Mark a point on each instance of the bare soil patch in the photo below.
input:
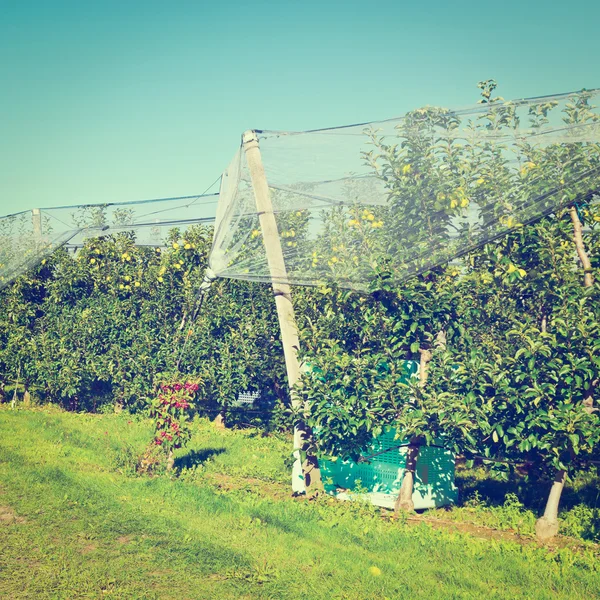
(89, 548)
(278, 491)
(125, 539)
(9, 516)
(489, 533)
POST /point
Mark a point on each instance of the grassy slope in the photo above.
(75, 522)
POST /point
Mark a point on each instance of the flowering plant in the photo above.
(170, 412)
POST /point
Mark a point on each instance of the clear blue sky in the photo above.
(125, 100)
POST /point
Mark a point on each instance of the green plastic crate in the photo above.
(382, 476)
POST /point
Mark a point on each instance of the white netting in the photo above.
(27, 237)
(407, 194)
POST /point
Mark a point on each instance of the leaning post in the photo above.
(36, 219)
(301, 476)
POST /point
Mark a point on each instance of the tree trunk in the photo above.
(312, 474)
(170, 461)
(588, 277)
(404, 501)
(546, 527)
(424, 366)
(219, 421)
(588, 399)
(440, 340)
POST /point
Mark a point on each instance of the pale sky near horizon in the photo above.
(116, 101)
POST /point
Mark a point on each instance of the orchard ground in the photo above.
(78, 521)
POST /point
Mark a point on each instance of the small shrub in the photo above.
(171, 414)
(581, 522)
(126, 459)
(151, 462)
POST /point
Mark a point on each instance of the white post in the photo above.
(282, 292)
(36, 219)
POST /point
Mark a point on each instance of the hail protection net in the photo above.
(405, 195)
(29, 236)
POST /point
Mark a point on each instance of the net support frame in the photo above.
(281, 291)
(36, 219)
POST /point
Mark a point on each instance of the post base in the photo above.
(545, 529)
(404, 506)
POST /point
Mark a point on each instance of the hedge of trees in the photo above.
(104, 326)
(509, 346)
(507, 337)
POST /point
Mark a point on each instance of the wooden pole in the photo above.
(281, 291)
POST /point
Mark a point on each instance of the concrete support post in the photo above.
(282, 293)
(36, 219)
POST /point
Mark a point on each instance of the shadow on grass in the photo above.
(196, 457)
(532, 492)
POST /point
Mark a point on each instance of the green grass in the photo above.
(77, 522)
(515, 504)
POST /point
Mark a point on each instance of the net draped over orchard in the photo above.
(393, 198)
(28, 237)
(400, 196)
